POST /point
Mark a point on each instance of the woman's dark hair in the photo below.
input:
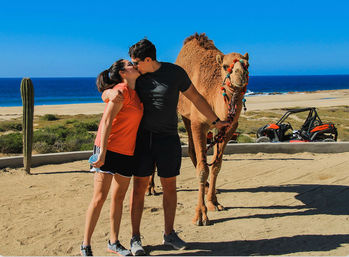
(142, 50)
(110, 77)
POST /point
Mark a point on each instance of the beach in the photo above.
(276, 204)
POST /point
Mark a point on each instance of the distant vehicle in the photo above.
(312, 130)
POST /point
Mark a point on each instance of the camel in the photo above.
(221, 80)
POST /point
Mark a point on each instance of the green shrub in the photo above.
(245, 139)
(10, 125)
(87, 125)
(62, 139)
(75, 141)
(43, 147)
(86, 147)
(43, 135)
(11, 143)
(71, 121)
(49, 117)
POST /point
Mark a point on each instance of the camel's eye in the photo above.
(225, 67)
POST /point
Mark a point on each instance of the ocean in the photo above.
(51, 91)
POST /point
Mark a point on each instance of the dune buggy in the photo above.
(312, 130)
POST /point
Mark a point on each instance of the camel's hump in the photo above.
(202, 40)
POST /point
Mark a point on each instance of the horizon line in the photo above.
(282, 75)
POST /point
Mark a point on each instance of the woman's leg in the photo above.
(119, 188)
(102, 183)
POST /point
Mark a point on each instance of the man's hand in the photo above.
(222, 124)
(115, 96)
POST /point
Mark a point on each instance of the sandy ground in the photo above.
(276, 204)
(257, 102)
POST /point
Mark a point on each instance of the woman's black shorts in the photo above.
(162, 151)
(121, 164)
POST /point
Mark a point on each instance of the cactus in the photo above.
(27, 93)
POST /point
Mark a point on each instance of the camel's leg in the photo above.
(199, 132)
(151, 185)
(191, 149)
(212, 202)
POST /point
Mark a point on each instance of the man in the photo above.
(157, 141)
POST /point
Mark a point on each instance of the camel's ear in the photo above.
(219, 59)
(246, 56)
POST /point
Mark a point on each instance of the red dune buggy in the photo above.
(312, 130)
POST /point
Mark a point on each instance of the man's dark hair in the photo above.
(142, 50)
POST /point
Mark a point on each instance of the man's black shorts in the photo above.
(162, 151)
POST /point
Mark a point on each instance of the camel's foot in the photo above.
(200, 222)
(151, 191)
(201, 218)
(214, 206)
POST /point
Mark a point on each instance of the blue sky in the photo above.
(81, 38)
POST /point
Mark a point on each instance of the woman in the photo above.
(114, 144)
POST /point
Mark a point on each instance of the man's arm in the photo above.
(201, 104)
(112, 95)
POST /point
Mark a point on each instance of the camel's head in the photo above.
(234, 68)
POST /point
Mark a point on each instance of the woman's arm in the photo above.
(112, 110)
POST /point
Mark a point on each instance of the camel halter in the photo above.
(232, 104)
(227, 80)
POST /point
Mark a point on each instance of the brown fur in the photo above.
(198, 57)
(203, 41)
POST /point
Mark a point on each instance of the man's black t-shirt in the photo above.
(159, 92)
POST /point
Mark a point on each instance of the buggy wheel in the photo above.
(263, 140)
(260, 132)
(328, 140)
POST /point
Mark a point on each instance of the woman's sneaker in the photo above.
(136, 246)
(85, 250)
(118, 249)
(174, 240)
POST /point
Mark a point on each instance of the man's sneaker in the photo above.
(85, 250)
(136, 246)
(118, 249)
(173, 240)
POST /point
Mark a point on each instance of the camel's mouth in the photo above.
(240, 82)
(236, 81)
(237, 74)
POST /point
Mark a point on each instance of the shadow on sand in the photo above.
(317, 199)
(269, 159)
(61, 172)
(275, 246)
